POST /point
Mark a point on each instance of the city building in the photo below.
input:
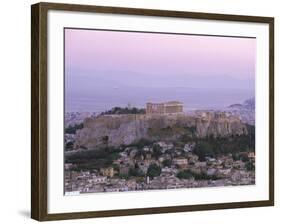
(98, 179)
(181, 162)
(124, 170)
(251, 155)
(109, 171)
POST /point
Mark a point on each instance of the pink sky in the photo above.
(162, 54)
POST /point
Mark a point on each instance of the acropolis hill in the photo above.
(129, 128)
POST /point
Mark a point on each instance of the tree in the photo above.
(153, 170)
(235, 156)
(244, 157)
(69, 146)
(105, 140)
(156, 151)
(125, 110)
(72, 129)
(184, 174)
(250, 166)
(167, 162)
(141, 143)
(135, 172)
(203, 149)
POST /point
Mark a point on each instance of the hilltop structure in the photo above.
(170, 107)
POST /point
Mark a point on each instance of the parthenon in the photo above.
(169, 107)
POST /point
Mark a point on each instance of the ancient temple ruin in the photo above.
(170, 107)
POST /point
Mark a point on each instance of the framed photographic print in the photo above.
(141, 111)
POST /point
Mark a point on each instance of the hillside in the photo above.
(114, 130)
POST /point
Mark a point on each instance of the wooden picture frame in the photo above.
(39, 110)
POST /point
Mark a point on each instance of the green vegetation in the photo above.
(105, 140)
(250, 166)
(124, 176)
(167, 163)
(244, 157)
(140, 153)
(126, 110)
(235, 156)
(187, 174)
(72, 129)
(153, 170)
(176, 133)
(135, 172)
(69, 146)
(234, 144)
(189, 135)
(203, 149)
(156, 151)
(184, 174)
(204, 176)
(92, 159)
(141, 143)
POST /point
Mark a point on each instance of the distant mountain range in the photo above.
(248, 104)
(245, 110)
(88, 80)
(98, 91)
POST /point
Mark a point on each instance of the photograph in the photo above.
(157, 111)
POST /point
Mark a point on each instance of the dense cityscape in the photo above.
(159, 147)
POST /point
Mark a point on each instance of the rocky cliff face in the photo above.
(116, 130)
(219, 124)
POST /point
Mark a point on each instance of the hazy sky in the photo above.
(148, 53)
(105, 60)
